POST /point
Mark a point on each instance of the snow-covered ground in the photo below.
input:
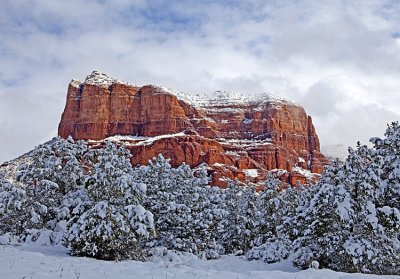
(29, 261)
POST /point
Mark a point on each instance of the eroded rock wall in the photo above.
(232, 138)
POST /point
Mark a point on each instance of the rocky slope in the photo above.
(237, 137)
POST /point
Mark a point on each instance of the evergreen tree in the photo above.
(388, 150)
(271, 244)
(12, 208)
(186, 210)
(326, 222)
(343, 228)
(59, 161)
(239, 226)
(207, 211)
(115, 221)
(54, 169)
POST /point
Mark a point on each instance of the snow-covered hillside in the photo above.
(53, 262)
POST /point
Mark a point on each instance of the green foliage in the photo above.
(184, 207)
(113, 221)
(352, 223)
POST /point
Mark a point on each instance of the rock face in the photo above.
(237, 137)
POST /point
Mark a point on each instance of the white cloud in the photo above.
(345, 112)
(339, 59)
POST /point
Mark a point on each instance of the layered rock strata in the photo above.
(238, 138)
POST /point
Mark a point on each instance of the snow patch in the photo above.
(126, 138)
(251, 172)
(101, 79)
(244, 142)
(30, 261)
(151, 140)
(219, 165)
(305, 173)
(218, 100)
(232, 153)
(75, 83)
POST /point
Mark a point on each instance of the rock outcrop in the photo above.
(237, 137)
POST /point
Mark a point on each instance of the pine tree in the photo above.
(12, 208)
(388, 149)
(343, 228)
(239, 226)
(186, 210)
(60, 161)
(207, 214)
(53, 170)
(165, 200)
(271, 245)
(326, 222)
(115, 221)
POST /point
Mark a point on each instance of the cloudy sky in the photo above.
(339, 59)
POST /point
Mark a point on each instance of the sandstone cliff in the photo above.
(237, 138)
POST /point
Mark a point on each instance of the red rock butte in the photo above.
(237, 137)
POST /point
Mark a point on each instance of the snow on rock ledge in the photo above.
(235, 131)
